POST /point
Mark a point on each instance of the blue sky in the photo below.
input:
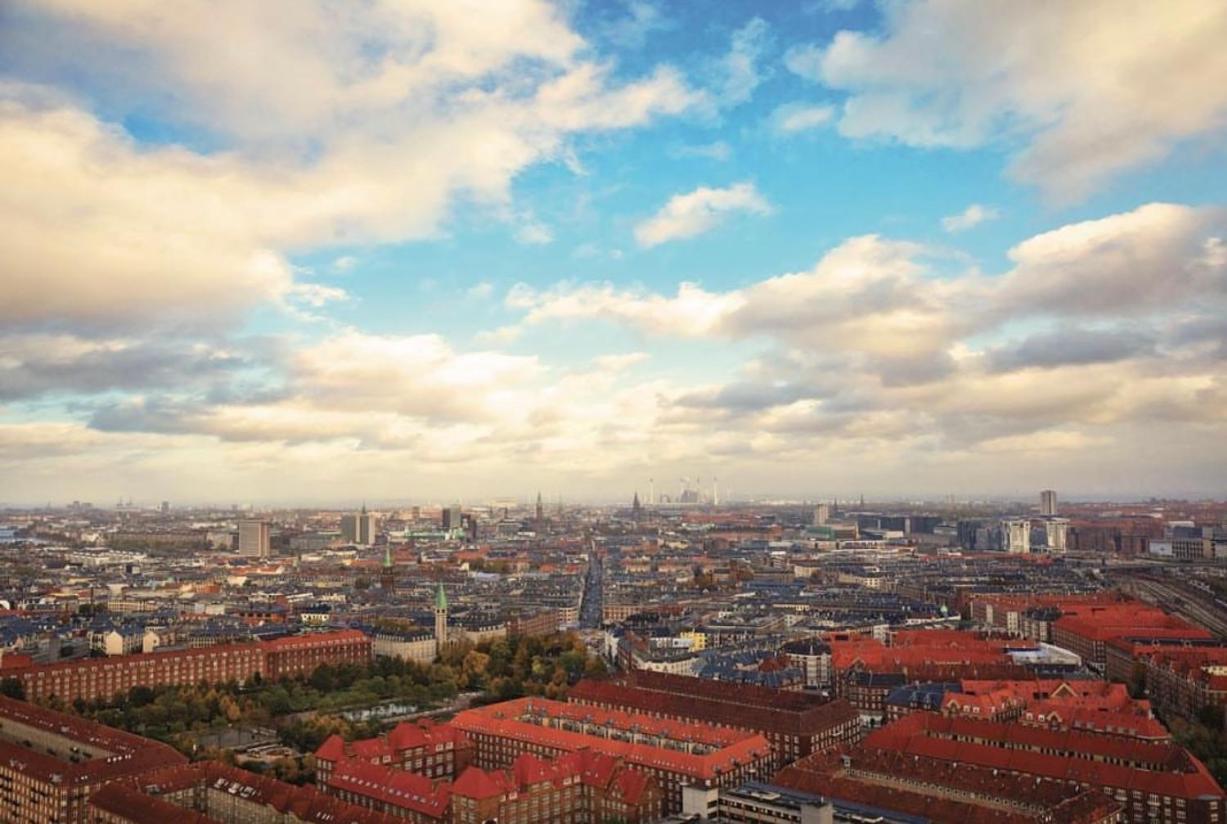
(421, 250)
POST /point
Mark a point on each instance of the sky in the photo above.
(436, 250)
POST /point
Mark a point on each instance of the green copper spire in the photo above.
(440, 598)
(387, 556)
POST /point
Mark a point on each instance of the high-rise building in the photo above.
(1048, 503)
(360, 528)
(451, 517)
(254, 537)
(1016, 535)
(1056, 531)
(822, 514)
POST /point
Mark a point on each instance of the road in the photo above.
(592, 601)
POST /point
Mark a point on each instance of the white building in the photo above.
(254, 538)
(1055, 532)
(1016, 535)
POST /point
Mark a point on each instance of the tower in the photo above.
(1048, 503)
(635, 505)
(387, 575)
(540, 508)
(440, 620)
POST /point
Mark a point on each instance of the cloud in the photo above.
(326, 126)
(719, 150)
(1158, 256)
(317, 295)
(631, 32)
(793, 118)
(1086, 110)
(700, 211)
(534, 233)
(480, 291)
(972, 216)
(1071, 347)
(34, 365)
(740, 67)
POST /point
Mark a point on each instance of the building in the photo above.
(1056, 534)
(51, 762)
(432, 750)
(440, 620)
(387, 573)
(794, 724)
(1087, 631)
(420, 646)
(94, 679)
(1048, 503)
(1016, 534)
(254, 538)
(674, 753)
(878, 784)
(1181, 680)
(209, 792)
(360, 528)
(1150, 781)
(452, 518)
(762, 803)
(582, 787)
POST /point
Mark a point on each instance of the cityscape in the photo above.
(613, 412)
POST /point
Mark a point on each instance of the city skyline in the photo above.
(440, 251)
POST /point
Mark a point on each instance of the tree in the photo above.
(13, 688)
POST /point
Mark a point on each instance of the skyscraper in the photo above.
(1048, 503)
(1056, 531)
(1016, 535)
(451, 517)
(361, 528)
(254, 538)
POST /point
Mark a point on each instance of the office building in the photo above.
(1016, 535)
(360, 528)
(1048, 503)
(452, 516)
(254, 538)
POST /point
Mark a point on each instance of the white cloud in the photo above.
(317, 295)
(742, 73)
(534, 233)
(342, 125)
(719, 150)
(972, 216)
(793, 118)
(480, 291)
(642, 20)
(1095, 88)
(699, 211)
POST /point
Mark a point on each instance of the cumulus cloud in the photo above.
(972, 216)
(1095, 88)
(1071, 347)
(877, 344)
(34, 365)
(700, 211)
(334, 125)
